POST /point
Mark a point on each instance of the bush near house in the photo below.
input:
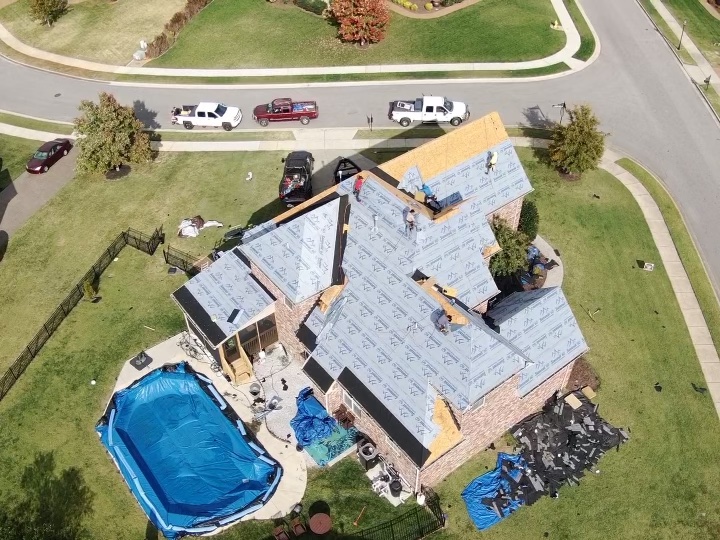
(529, 219)
(578, 146)
(163, 41)
(513, 254)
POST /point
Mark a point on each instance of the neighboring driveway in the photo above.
(29, 192)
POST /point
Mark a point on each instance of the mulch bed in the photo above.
(582, 375)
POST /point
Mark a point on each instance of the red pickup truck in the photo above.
(282, 109)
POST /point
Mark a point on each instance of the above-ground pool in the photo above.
(185, 454)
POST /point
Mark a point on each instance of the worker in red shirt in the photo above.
(357, 186)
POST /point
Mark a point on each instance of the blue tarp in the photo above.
(487, 486)
(312, 422)
(185, 454)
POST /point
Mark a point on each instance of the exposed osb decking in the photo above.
(443, 153)
(449, 434)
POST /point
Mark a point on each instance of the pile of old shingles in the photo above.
(558, 445)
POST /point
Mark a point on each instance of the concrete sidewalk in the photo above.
(703, 69)
(565, 55)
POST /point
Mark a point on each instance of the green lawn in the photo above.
(14, 154)
(227, 33)
(663, 484)
(39, 125)
(97, 30)
(587, 40)
(703, 28)
(685, 246)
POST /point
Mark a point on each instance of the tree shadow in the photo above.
(319, 507)
(4, 240)
(151, 532)
(51, 502)
(145, 115)
(537, 118)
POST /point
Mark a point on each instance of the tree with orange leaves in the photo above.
(361, 21)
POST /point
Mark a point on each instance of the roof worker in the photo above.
(357, 186)
(443, 322)
(491, 162)
(410, 221)
(431, 199)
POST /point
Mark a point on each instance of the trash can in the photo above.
(395, 488)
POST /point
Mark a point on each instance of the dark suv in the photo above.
(296, 183)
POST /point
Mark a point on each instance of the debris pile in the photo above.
(565, 439)
(558, 445)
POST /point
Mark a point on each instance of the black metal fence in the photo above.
(412, 525)
(130, 237)
(182, 260)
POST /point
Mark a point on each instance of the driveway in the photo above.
(28, 193)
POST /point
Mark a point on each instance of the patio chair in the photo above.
(298, 527)
(280, 533)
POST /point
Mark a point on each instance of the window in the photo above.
(392, 444)
(440, 110)
(211, 115)
(288, 303)
(221, 110)
(201, 114)
(351, 404)
(429, 109)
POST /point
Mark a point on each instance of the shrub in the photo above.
(513, 254)
(176, 23)
(158, 46)
(89, 291)
(447, 3)
(361, 21)
(47, 11)
(413, 7)
(193, 7)
(429, 6)
(529, 219)
(317, 7)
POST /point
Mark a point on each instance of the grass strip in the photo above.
(665, 31)
(684, 244)
(38, 125)
(587, 40)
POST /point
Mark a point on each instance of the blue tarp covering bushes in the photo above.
(312, 422)
(487, 490)
(185, 454)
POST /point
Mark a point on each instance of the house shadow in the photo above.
(7, 193)
(145, 115)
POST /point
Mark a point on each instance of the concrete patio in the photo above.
(294, 479)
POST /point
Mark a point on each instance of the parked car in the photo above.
(206, 114)
(428, 109)
(296, 183)
(47, 155)
(284, 109)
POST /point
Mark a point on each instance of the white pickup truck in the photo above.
(428, 109)
(206, 115)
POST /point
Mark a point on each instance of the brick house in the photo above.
(357, 291)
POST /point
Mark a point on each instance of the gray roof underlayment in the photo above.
(382, 328)
(450, 251)
(298, 256)
(210, 297)
(541, 324)
(471, 178)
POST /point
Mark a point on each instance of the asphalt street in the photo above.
(638, 89)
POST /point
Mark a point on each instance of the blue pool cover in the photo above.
(185, 454)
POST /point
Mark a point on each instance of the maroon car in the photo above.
(47, 155)
(283, 109)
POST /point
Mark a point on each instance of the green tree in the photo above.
(47, 11)
(578, 146)
(53, 506)
(529, 219)
(109, 135)
(513, 249)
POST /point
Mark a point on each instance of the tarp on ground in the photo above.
(185, 454)
(312, 422)
(486, 487)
